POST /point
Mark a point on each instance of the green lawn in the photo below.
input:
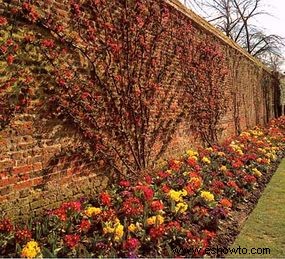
(265, 227)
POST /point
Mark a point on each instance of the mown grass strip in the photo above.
(265, 227)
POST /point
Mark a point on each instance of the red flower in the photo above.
(74, 205)
(157, 232)
(9, 42)
(60, 213)
(208, 234)
(173, 225)
(226, 203)
(131, 244)
(47, 43)
(29, 38)
(165, 188)
(174, 165)
(237, 164)
(232, 184)
(6, 226)
(194, 174)
(107, 215)
(3, 21)
(191, 161)
(4, 49)
(105, 198)
(23, 235)
(125, 183)
(249, 178)
(218, 184)
(148, 179)
(71, 240)
(132, 207)
(10, 59)
(163, 175)
(156, 205)
(84, 225)
(189, 189)
(147, 192)
(229, 174)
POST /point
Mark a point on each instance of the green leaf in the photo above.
(47, 253)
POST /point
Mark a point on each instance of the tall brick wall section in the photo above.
(252, 87)
(36, 174)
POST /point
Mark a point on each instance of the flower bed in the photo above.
(174, 212)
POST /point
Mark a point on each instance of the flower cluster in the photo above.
(181, 205)
(31, 250)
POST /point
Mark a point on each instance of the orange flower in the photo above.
(226, 203)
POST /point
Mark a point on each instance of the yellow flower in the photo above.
(115, 228)
(207, 196)
(155, 220)
(132, 228)
(209, 149)
(31, 250)
(191, 153)
(223, 168)
(92, 211)
(183, 193)
(206, 160)
(239, 151)
(256, 132)
(119, 232)
(245, 134)
(181, 207)
(168, 171)
(256, 172)
(177, 195)
(221, 154)
(107, 229)
(237, 148)
(262, 150)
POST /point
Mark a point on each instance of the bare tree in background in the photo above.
(236, 18)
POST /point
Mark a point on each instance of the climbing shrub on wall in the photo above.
(207, 88)
(114, 68)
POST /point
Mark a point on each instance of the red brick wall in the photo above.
(35, 172)
(34, 175)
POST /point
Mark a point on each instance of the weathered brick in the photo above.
(23, 185)
(7, 163)
(22, 169)
(5, 190)
(7, 181)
